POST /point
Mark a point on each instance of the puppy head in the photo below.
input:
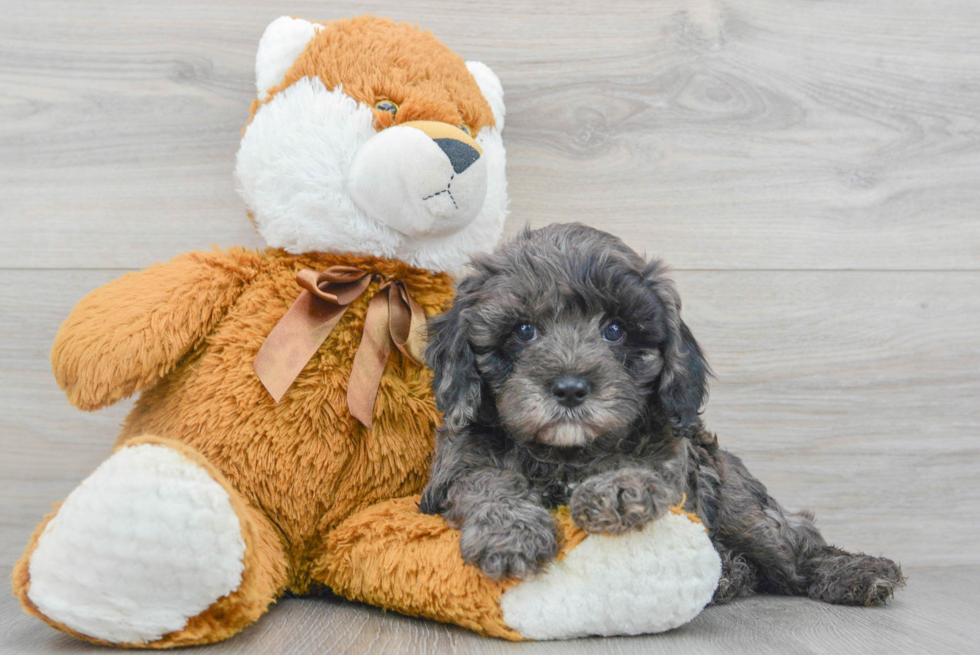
(565, 334)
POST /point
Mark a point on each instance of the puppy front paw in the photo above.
(619, 501)
(512, 549)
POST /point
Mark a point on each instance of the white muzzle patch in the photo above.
(421, 179)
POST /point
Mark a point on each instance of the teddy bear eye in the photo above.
(613, 333)
(388, 106)
(466, 129)
(525, 332)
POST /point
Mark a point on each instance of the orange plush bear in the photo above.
(285, 425)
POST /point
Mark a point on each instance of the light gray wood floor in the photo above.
(810, 170)
(935, 616)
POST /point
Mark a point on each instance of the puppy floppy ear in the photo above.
(683, 384)
(456, 380)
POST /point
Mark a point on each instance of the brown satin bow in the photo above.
(393, 316)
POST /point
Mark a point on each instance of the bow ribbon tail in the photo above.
(369, 360)
(406, 322)
(393, 316)
(293, 342)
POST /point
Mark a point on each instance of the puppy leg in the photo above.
(837, 576)
(790, 553)
(798, 561)
(620, 500)
(738, 576)
(752, 524)
(504, 527)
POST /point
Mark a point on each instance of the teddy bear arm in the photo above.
(128, 334)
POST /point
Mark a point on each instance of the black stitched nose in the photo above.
(461, 155)
(571, 391)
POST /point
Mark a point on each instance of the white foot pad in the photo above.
(146, 542)
(636, 583)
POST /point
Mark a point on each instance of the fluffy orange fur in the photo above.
(427, 80)
(391, 556)
(186, 334)
(305, 461)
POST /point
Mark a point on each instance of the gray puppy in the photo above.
(566, 376)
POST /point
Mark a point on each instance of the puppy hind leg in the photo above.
(776, 543)
(751, 523)
(793, 558)
(837, 576)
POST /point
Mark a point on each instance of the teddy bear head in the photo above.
(372, 137)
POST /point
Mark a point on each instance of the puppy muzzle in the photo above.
(422, 178)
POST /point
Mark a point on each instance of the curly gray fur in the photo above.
(511, 446)
(620, 500)
(505, 528)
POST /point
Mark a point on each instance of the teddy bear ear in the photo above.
(284, 40)
(492, 90)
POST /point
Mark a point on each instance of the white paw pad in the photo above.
(146, 542)
(641, 582)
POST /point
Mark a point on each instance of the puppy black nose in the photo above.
(461, 155)
(571, 391)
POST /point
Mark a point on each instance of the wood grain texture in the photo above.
(726, 134)
(809, 169)
(936, 614)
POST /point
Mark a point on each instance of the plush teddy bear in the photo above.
(285, 426)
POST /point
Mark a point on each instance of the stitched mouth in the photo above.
(447, 191)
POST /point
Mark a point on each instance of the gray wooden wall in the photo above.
(811, 170)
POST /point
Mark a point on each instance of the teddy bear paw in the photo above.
(146, 542)
(643, 581)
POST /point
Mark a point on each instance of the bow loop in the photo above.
(393, 317)
(339, 285)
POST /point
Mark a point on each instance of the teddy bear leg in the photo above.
(154, 549)
(650, 580)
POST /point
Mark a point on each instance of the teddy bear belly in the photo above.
(304, 461)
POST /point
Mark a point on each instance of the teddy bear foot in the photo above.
(144, 545)
(639, 582)
(644, 581)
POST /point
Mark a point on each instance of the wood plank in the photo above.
(851, 393)
(727, 135)
(48, 446)
(935, 614)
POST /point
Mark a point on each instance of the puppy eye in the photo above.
(466, 129)
(613, 333)
(525, 332)
(388, 106)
